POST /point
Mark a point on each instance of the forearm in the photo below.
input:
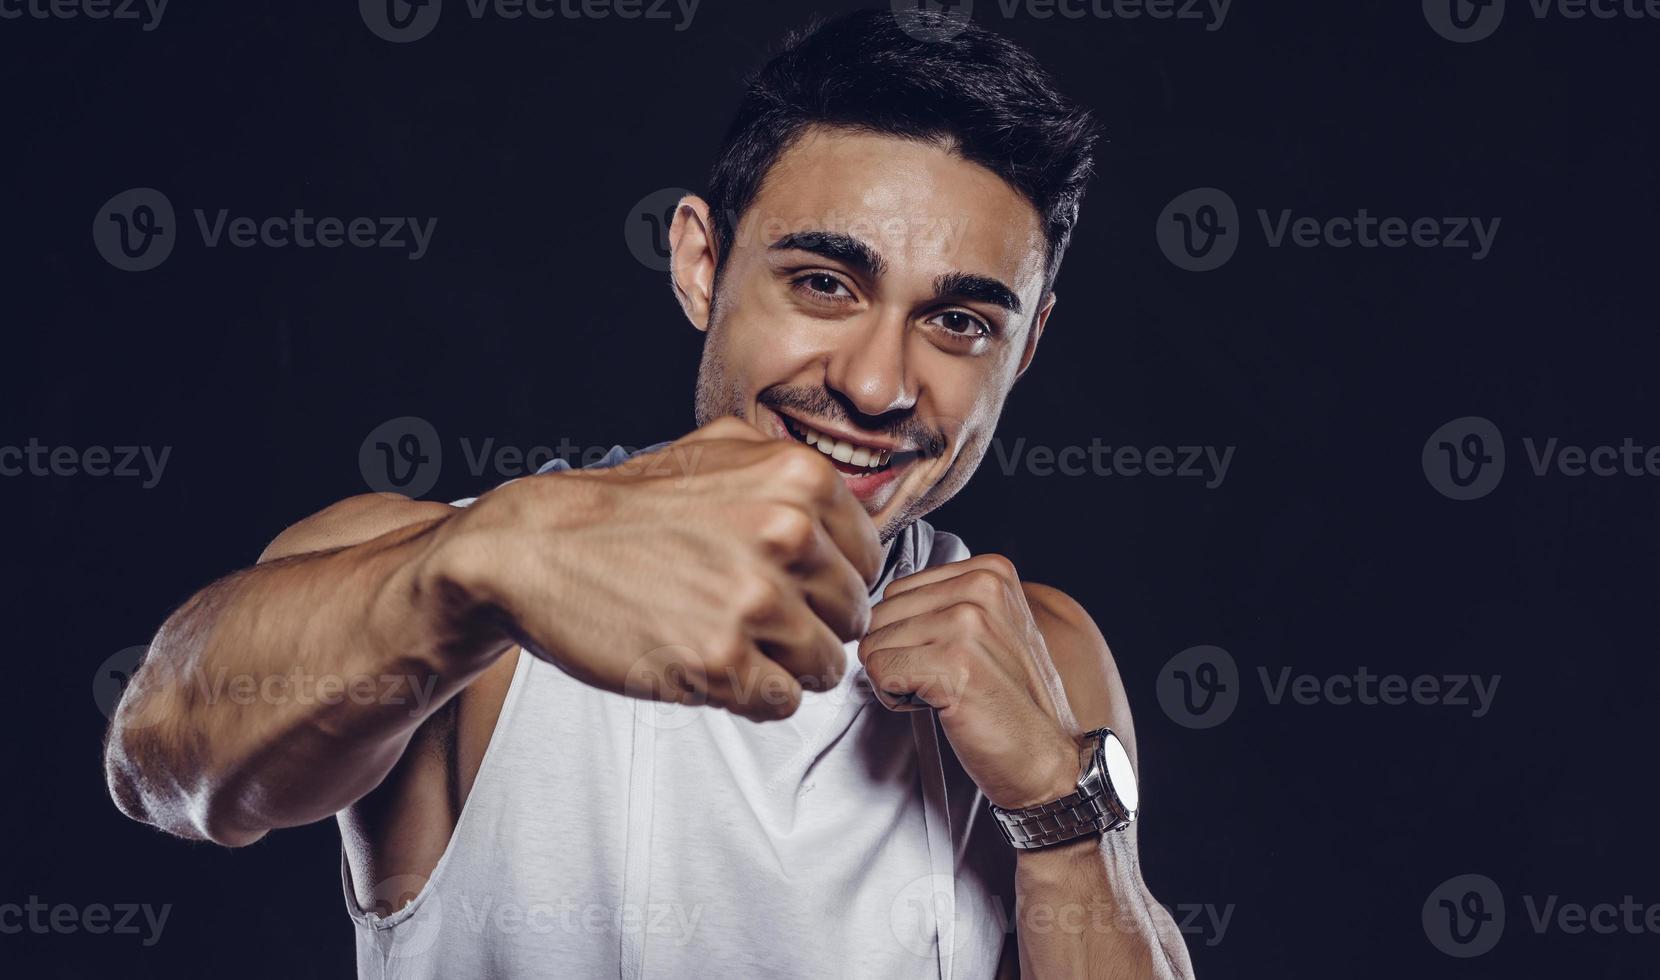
(1083, 912)
(283, 693)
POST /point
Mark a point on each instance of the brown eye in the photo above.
(823, 284)
(960, 323)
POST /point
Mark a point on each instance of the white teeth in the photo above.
(843, 451)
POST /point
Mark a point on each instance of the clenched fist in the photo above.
(726, 568)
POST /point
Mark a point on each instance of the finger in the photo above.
(755, 687)
(853, 531)
(922, 630)
(797, 640)
(909, 678)
(725, 427)
(950, 570)
(915, 602)
(804, 476)
(834, 590)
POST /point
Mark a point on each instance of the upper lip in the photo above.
(855, 440)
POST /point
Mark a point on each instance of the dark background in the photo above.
(1324, 828)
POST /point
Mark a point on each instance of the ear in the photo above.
(692, 259)
(1036, 333)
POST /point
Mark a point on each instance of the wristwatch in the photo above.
(1106, 800)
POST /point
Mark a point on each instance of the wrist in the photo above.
(1055, 771)
(436, 606)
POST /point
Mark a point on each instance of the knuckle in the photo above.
(723, 657)
(787, 532)
(986, 584)
(754, 599)
(967, 616)
(804, 468)
(999, 565)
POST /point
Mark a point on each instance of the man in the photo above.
(873, 269)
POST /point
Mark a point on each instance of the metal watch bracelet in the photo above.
(1078, 814)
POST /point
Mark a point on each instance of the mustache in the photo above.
(820, 403)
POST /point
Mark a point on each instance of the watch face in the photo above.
(1120, 772)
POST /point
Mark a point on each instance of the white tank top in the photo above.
(607, 836)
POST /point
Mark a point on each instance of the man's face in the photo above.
(879, 299)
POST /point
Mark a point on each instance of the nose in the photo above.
(869, 367)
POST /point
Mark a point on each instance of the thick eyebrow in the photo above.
(838, 247)
(978, 288)
(867, 261)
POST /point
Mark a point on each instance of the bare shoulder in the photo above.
(1082, 658)
(399, 830)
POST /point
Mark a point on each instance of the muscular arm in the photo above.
(1083, 908)
(285, 692)
(288, 691)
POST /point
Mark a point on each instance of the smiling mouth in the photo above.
(849, 457)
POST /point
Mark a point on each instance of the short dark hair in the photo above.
(915, 75)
